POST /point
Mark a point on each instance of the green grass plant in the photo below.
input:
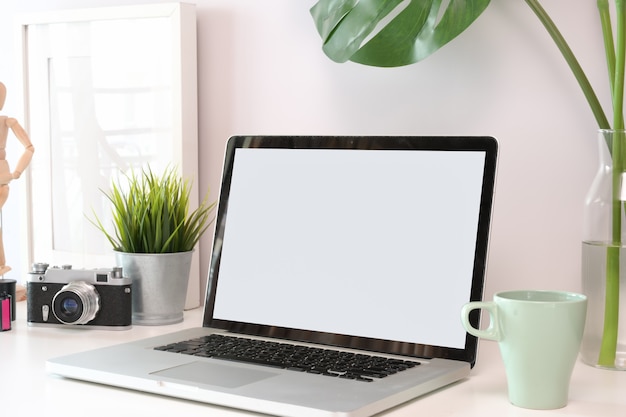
(150, 213)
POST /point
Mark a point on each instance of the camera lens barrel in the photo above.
(76, 303)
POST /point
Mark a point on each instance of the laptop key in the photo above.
(255, 361)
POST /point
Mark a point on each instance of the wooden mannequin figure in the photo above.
(6, 176)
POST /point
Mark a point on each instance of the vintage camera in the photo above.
(81, 298)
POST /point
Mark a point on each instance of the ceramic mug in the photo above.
(539, 334)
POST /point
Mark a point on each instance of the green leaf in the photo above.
(395, 32)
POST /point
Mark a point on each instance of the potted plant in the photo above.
(391, 33)
(153, 237)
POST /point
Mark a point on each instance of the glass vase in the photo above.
(604, 257)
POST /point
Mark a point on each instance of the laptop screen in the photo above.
(353, 239)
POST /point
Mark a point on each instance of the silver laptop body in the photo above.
(355, 244)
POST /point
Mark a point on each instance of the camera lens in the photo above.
(76, 303)
(69, 307)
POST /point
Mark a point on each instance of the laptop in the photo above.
(349, 247)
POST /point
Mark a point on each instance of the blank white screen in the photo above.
(366, 243)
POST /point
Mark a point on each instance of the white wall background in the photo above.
(261, 71)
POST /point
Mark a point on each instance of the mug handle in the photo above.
(492, 332)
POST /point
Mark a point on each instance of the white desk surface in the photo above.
(27, 390)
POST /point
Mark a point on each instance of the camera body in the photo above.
(79, 298)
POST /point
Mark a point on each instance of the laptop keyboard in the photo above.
(320, 361)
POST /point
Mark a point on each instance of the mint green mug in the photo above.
(539, 334)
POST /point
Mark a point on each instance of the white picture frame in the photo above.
(106, 91)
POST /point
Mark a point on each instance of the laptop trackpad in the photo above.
(214, 374)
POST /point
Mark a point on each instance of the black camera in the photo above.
(80, 298)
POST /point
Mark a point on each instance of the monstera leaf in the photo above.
(395, 32)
